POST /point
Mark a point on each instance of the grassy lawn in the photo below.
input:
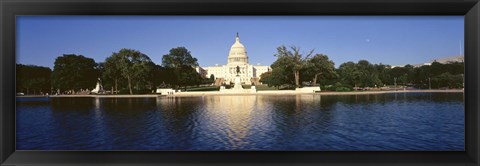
(259, 87)
(206, 88)
(217, 88)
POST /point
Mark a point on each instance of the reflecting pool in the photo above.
(395, 121)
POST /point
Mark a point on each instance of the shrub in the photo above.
(342, 89)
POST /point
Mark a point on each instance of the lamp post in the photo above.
(429, 84)
(395, 82)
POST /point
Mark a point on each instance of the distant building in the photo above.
(450, 59)
(225, 74)
(202, 72)
(444, 60)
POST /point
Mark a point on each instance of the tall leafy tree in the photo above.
(402, 75)
(111, 73)
(187, 76)
(272, 79)
(437, 68)
(297, 59)
(382, 71)
(438, 75)
(447, 80)
(422, 77)
(132, 65)
(266, 77)
(212, 78)
(349, 73)
(178, 57)
(367, 74)
(320, 67)
(74, 72)
(182, 63)
(33, 78)
(282, 70)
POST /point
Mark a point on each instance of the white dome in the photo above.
(238, 53)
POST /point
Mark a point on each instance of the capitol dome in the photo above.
(238, 53)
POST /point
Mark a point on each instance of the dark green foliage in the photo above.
(349, 74)
(133, 66)
(319, 68)
(212, 78)
(271, 80)
(208, 80)
(337, 87)
(447, 80)
(282, 72)
(179, 64)
(32, 79)
(342, 89)
(296, 60)
(130, 71)
(363, 74)
(111, 74)
(74, 72)
(187, 76)
(178, 57)
(434, 76)
(294, 68)
(368, 77)
(403, 75)
(382, 73)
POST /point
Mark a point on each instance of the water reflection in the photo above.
(399, 121)
(236, 117)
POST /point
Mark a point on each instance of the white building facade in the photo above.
(225, 74)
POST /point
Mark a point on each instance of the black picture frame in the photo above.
(9, 9)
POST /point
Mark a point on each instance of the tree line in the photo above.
(294, 69)
(127, 71)
(130, 71)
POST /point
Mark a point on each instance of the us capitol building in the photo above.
(225, 74)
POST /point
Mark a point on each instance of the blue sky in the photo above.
(394, 40)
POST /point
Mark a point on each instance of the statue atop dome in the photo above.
(238, 53)
(237, 71)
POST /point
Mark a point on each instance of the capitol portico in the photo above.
(225, 74)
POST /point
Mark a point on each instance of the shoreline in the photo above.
(267, 92)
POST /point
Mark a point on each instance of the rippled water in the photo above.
(403, 121)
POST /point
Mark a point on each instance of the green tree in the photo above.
(112, 73)
(282, 70)
(212, 77)
(447, 80)
(403, 75)
(349, 74)
(179, 57)
(266, 77)
(382, 71)
(272, 79)
(182, 63)
(157, 76)
(132, 65)
(421, 76)
(187, 76)
(33, 78)
(437, 68)
(74, 72)
(320, 67)
(209, 80)
(298, 60)
(367, 74)
(455, 68)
